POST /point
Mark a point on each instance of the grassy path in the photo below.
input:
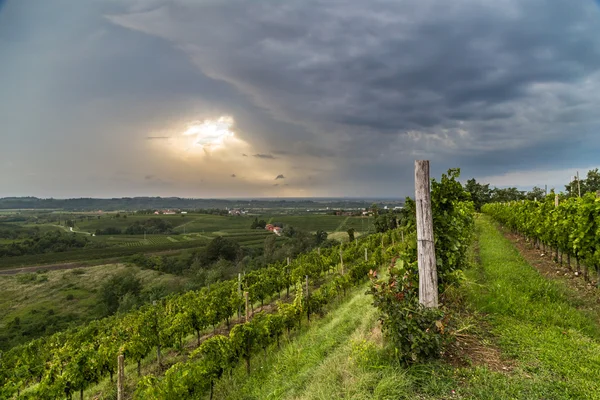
(342, 224)
(537, 322)
(551, 346)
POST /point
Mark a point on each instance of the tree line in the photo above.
(482, 193)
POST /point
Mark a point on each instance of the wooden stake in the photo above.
(307, 301)
(247, 308)
(239, 294)
(366, 255)
(428, 289)
(556, 200)
(120, 378)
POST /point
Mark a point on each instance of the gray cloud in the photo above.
(264, 156)
(280, 176)
(355, 90)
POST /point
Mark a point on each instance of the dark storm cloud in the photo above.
(356, 89)
(379, 71)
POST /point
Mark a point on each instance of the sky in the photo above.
(270, 98)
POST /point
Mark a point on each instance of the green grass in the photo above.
(537, 321)
(551, 346)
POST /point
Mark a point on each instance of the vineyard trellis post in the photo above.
(120, 378)
(428, 285)
(366, 255)
(247, 308)
(307, 301)
(240, 294)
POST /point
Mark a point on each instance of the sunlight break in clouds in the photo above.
(210, 133)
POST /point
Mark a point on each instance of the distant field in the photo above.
(190, 231)
(110, 220)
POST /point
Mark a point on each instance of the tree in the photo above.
(375, 209)
(269, 247)
(536, 194)
(320, 237)
(351, 234)
(114, 289)
(590, 184)
(480, 193)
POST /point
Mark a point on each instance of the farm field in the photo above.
(190, 231)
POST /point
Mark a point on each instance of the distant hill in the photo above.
(138, 203)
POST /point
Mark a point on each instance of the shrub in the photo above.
(416, 333)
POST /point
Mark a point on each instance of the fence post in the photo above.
(428, 288)
(120, 378)
(247, 308)
(366, 255)
(307, 301)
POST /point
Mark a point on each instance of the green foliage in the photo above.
(591, 184)
(416, 333)
(114, 290)
(480, 193)
(573, 227)
(150, 226)
(53, 241)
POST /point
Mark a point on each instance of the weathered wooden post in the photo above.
(240, 295)
(307, 301)
(428, 285)
(366, 255)
(247, 308)
(555, 206)
(120, 378)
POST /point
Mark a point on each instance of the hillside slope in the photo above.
(526, 339)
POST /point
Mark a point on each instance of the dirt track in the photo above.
(53, 267)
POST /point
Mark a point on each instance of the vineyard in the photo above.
(568, 227)
(69, 362)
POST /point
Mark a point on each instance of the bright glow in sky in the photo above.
(211, 133)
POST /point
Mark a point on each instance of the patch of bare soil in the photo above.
(474, 350)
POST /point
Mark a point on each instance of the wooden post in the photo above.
(239, 294)
(318, 250)
(555, 206)
(428, 288)
(366, 255)
(288, 261)
(120, 378)
(247, 308)
(307, 301)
